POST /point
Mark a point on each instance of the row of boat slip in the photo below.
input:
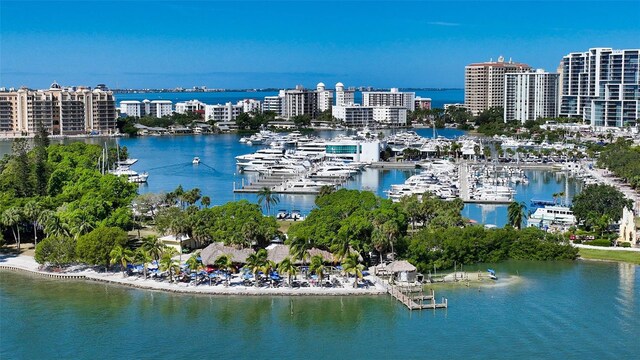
(513, 144)
(488, 183)
(465, 146)
(266, 137)
(439, 178)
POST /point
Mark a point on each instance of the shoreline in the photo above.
(25, 263)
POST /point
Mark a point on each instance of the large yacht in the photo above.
(552, 215)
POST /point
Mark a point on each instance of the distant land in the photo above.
(201, 90)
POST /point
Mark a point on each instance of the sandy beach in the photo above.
(26, 263)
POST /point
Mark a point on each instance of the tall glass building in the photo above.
(601, 86)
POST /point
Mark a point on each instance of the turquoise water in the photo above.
(559, 310)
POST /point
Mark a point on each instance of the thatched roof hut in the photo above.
(215, 250)
(278, 252)
(400, 266)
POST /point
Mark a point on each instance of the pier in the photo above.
(421, 301)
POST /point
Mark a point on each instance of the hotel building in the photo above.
(530, 95)
(601, 86)
(274, 103)
(484, 83)
(393, 98)
(63, 111)
(187, 106)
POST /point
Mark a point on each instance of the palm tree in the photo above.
(287, 266)
(12, 218)
(224, 263)
(32, 212)
(299, 249)
(122, 256)
(266, 196)
(193, 263)
(256, 262)
(317, 266)
(153, 246)
(205, 201)
(52, 224)
(143, 256)
(515, 213)
(351, 265)
(168, 264)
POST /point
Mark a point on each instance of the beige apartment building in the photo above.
(64, 111)
(484, 83)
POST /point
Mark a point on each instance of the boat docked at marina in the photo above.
(548, 216)
(131, 175)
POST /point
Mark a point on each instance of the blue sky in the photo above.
(244, 44)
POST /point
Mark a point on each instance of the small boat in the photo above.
(195, 161)
(492, 274)
(282, 214)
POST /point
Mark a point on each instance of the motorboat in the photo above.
(131, 175)
(195, 161)
(552, 215)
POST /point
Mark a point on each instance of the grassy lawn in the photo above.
(625, 256)
(285, 224)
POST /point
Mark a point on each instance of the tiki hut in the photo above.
(401, 270)
(215, 250)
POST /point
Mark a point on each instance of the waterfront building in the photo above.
(223, 113)
(392, 98)
(484, 83)
(274, 103)
(300, 101)
(249, 105)
(132, 108)
(184, 107)
(158, 108)
(63, 111)
(325, 97)
(422, 103)
(390, 115)
(530, 95)
(344, 97)
(601, 86)
(353, 150)
(353, 115)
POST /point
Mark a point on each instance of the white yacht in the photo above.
(552, 215)
(304, 185)
(132, 176)
(195, 161)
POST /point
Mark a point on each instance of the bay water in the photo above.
(543, 310)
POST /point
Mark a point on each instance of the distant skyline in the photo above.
(244, 44)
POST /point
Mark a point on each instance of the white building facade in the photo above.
(601, 86)
(325, 97)
(344, 97)
(390, 115)
(393, 98)
(188, 106)
(353, 115)
(223, 113)
(300, 101)
(530, 95)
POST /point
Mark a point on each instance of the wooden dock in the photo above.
(417, 302)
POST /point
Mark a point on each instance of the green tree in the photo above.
(601, 200)
(167, 263)
(121, 255)
(299, 249)
(153, 246)
(142, 255)
(268, 198)
(515, 213)
(287, 266)
(351, 265)
(56, 250)
(95, 247)
(12, 218)
(255, 264)
(32, 212)
(225, 263)
(317, 266)
(205, 201)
